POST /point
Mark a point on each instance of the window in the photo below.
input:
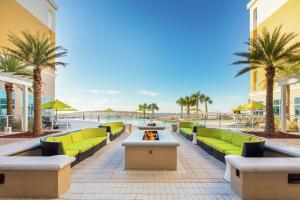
(51, 19)
(297, 106)
(31, 105)
(3, 104)
(254, 18)
(276, 106)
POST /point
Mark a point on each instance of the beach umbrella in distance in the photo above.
(252, 106)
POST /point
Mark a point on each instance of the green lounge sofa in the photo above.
(187, 129)
(115, 129)
(218, 143)
(79, 144)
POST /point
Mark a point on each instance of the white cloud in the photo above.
(111, 92)
(93, 91)
(106, 92)
(149, 93)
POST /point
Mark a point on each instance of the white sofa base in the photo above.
(34, 177)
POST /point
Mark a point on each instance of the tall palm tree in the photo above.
(270, 51)
(153, 107)
(11, 64)
(39, 52)
(189, 101)
(143, 108)
(198, 98)
(207, 100)
(181, 102)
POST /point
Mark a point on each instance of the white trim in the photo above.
(251, 3)
(53, 4)
(15, 79)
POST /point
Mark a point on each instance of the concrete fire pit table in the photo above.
(158, 154)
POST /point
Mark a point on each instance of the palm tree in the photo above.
(10, 64)
(198, 98)
(271, 52)
(189, 101)
(143, 108)
(181, 102)
(153, 107)
(207, 100)
(39, 52)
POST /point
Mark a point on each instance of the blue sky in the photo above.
(125, 52)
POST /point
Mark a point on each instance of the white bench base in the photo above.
(265, 178)
(34, 177)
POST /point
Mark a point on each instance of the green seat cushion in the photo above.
(209, 132)
(82, 146)
(94, 132)
(224, 146)
(116, 130)
(95, 141)
(207, 140)
(77, 136)
(226, 135)
(210, 141)
(186, 125)
(237, 152)
(72, 153)
(239, 139)
(255, 139)
(114, 124)
(188, 131)
(50, 139)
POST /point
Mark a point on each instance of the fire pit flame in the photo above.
(150, 135)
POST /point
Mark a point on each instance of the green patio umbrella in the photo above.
(57, 105)
(253, 105)
(238, 108)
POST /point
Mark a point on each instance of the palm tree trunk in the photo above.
(270, 126)
(37, 92)
(9, 91)
(288, 96)
(206, 110)
(188, 110)
(197, 109)
(181, 107)
(144, 112)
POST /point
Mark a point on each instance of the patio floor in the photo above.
(102, 176)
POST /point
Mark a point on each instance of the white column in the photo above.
(25, 109)
(283, 109)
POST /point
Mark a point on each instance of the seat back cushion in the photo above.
(94, 132)
(186, 124)
(209, 132)
(114, 124)
(226, 135)
(239, 139)
(64, 140)
(77, 136)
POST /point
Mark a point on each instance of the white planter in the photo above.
(7, 130)
(194, 138)
(107, 137)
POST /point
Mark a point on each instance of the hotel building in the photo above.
(33, 16)
(271, 14)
